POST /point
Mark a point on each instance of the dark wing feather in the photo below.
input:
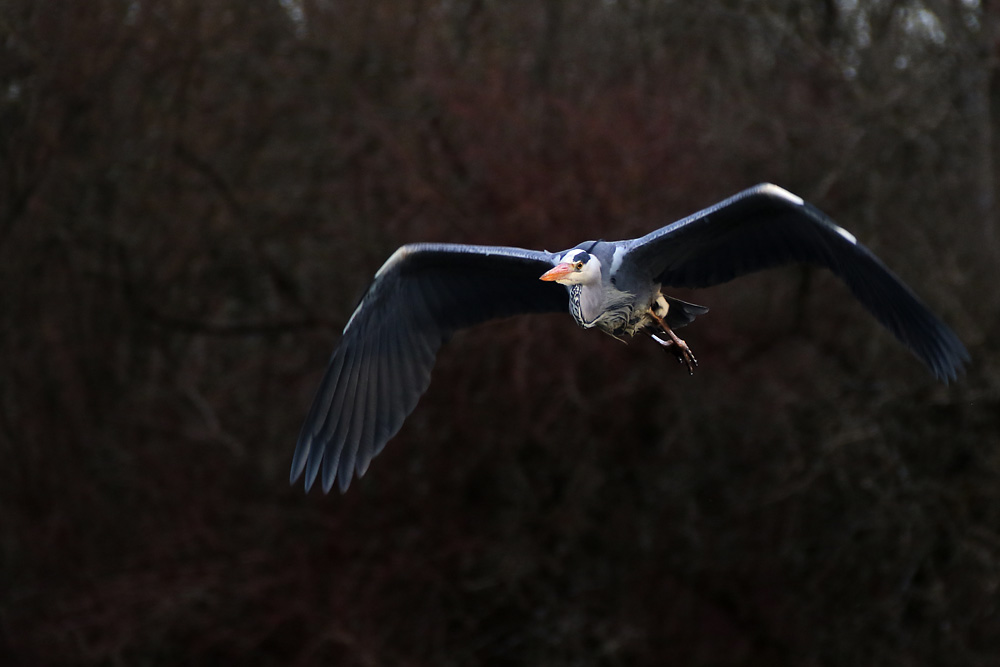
(383, 364)
(767, 226)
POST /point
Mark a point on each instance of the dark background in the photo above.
(194, 194)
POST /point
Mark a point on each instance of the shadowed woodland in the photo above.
(194, 195)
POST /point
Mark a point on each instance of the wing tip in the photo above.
(328, 482)
(948, 358)
(954, 366)
(337, 476)
(299, 460)
(344, 480)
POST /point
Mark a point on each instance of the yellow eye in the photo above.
(579, 265)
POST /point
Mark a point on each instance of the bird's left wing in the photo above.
(767, 226)
(422, 294)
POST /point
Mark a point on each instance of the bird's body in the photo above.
(614, 304)
(424, 292)
(621, 303)
(604, 304)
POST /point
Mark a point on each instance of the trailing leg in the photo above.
(684, 353)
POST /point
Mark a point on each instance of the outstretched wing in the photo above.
(767, 226)
(422, 294)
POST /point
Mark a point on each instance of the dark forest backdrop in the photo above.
(194, 194)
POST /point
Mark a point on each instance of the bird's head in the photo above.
(576, 267)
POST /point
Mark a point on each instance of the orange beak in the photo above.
(557, 272)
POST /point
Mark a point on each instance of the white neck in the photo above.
(591, 300)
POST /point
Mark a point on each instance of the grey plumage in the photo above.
(425, 292)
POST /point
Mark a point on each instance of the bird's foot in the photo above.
(679, 348)
(675, 344)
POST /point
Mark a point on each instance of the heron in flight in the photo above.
(426, 291)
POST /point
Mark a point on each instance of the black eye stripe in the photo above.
(585, 252)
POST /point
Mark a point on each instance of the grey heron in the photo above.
(424, 292)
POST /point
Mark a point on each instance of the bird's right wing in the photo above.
(422, 294)
(766, 226)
